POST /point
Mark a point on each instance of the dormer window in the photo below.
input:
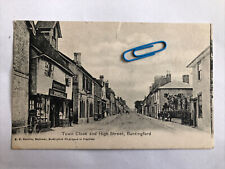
(51, 30)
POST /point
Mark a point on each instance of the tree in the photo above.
(138, 105)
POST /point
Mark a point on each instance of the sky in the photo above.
(102, 43)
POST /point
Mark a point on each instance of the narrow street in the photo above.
(127, 122)
(120, 131)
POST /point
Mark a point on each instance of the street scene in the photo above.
(126, 122)
(71, 77)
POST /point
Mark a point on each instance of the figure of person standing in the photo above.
(70, 119)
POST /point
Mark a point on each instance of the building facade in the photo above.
(50, 100)
(175, 97)
(98, 100)
(202, 90)
(23, 30)
(50, 89)
(167, 95)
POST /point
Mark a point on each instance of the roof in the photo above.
(97, 81)
(31, 27)
(45, 24)
(49, 25)
(42, 44)
(199, 57)
(80, 67)
(176, 85)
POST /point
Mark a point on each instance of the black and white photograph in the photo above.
(112, 85)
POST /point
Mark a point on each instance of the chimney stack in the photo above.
(77, 58)
(186, 78)
(107, 84)
(168, 76)
(101, 77)
(150, 89)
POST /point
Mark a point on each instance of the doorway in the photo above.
(56, 108)
(195, 114)
(87, 112)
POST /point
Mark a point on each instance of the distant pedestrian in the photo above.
(70, 119)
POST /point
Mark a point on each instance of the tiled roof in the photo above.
(48, 25)
(176, 85)
(42, 44)
(45, 24)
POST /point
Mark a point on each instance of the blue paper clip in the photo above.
(149, 45)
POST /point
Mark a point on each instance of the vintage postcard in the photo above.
(112, 85)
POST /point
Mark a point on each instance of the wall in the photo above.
(19, 97)
(20, 74)
(79, 94)
(203, 86)
(21, 42)
(44, 83)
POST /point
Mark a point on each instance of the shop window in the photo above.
(200, 106)
(31, 106)
(39, 105)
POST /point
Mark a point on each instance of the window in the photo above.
(82, 109)
(75, 79)
(54, 33)
(54, 38)
(87, 83)
(49, 68)
(68, 81)
(199, 69)
(166, 95)
(83, 82)
(89, 86)
(200, 106)
(31, 104)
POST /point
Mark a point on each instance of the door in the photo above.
(195, 114)
(57, 110)
(87, 112)
(56, 107)
(52, 113)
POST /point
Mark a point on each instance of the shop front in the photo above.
(53, 110)
(39, 110)
(60, 106)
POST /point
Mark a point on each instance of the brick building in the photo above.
(23, 30)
